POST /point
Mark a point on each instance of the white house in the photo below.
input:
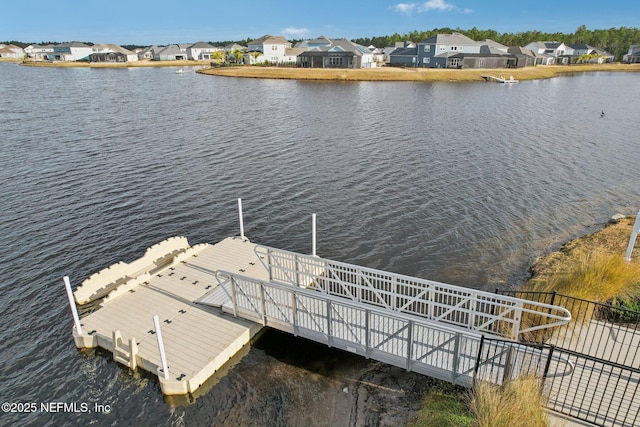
(11, 51)
(550, 53)
(111, 53)
(201, 51)
(268, 48)
(74, 51)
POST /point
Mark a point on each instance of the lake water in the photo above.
(464, 183)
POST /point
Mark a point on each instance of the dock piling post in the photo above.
(240, 216)
(313, 234)
(632, 239)
(163, 357)
(72, 303)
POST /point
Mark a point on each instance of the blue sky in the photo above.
(161, 22)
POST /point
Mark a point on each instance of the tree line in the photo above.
(614, 40)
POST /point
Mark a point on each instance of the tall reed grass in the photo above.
(517, 403)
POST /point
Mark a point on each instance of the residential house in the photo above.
(39, 52)
(74, 51)
(291, 55)
(111, 53)
(550, 53)
(404, 56)
(11, 51)
(230, 50)
(324, 52)
(397, 45)
(522, 57)
(633, 56)
(443, 50)
(148, 52)
(173, 52)
(378, 53)
(201, 51)
(582, 52)
(268, 48)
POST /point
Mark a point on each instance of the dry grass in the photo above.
(591, 267)
(518, 403)
(410, 74)
(117, 64)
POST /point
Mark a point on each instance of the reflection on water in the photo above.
(460, 183)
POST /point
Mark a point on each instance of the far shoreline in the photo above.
(413, 74)
(383, 73)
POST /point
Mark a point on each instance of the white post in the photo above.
(632, 239)
(240, 216)
(313, 234)
(72, 303)
(163, 357)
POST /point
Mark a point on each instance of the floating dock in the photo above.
(500, 79)
(208, 301)
(166, 282)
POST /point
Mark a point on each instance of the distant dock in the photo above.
(500, 79)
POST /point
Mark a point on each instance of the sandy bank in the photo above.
(410, 74)
(117, 64)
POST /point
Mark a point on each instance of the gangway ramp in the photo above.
(459, 306)
(414, 343)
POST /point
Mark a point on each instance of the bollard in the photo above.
(313, 234)
(163, 357)
(632, 239)
(240, 216)
(72, 303)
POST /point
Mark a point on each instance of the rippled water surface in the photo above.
(464, 183)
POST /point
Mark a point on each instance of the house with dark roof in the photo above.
(583, 53)
(324, 52)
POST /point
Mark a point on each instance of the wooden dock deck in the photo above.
(198, 339)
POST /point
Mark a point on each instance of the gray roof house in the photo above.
(200, 51)
(111, 53)
(633, 56)
(173, 52)
(334, 53)
(268, 48)
(441, 50)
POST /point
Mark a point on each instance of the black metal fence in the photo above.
(602, 344)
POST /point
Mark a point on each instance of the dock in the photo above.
(198, 339)
(500, 79)
(181, 312)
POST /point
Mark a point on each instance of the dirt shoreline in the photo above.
(363, 74)
(412, 74)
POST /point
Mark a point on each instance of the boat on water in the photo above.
(180, 71)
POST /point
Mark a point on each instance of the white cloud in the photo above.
(467, 11)
(435, 5)
(295, 32)
(405, 7)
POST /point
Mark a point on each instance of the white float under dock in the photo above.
(198, 340)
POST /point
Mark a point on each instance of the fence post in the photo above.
(409, 345)
(477, 367)
(313, 234)
(72, 304)
(234, 297)
(163, 357)
(263, 305)
(329, 336)
(240, 217)
(632, 238)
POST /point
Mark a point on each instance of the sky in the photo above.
(149, 22)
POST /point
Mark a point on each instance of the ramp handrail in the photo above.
(413, 343)
(472, 309)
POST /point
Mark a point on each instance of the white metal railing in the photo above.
(413, 343)
(468, 308)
